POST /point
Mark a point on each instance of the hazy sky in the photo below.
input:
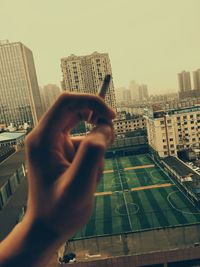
(149, 41)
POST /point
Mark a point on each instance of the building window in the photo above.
(165, 153)
(164, 140)
(161, 122)
(171, 139)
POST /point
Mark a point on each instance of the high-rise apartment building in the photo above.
(20, 100)
(49, 93)
(184, 81)
(85, 74)
(196, 79)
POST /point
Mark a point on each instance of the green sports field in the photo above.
(135, 195)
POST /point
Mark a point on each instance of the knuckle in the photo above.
(95, 145)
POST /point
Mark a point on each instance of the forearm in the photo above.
(29, 244)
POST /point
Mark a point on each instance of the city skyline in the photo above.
(149, 42)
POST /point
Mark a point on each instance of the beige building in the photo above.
(85, 74)
(124, 125)
(20, 100)
(173, 131)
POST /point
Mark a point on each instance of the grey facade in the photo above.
(20, 100)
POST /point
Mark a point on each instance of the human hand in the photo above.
(63, 171)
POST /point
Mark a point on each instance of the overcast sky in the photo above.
(148, 41)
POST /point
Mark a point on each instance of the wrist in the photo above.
(33, 240)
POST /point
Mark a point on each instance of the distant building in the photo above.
(85, 74)
(134, 89)
(20, 100)
(185, 88)
(49, 94)
(174, 131)
(119, 94)
(143, 92)
(184, 81)
(196, 79)
(126, 95)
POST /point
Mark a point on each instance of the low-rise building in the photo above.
(123, 125)
(174, 131)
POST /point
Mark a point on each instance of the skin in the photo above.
(63, 173)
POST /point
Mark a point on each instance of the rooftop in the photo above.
(162, 113)
(6, 136)
(183, 170)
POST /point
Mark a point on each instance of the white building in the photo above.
(173, 131)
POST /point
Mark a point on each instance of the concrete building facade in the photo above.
(124, 125)
(20, 100)
(85, 74)
(174, 131)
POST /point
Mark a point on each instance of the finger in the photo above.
(87, 162)
(65, 113)
(76, 140)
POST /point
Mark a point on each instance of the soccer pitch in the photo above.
(135, 195)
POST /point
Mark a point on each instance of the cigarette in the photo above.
(102, 92)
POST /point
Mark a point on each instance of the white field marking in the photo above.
(179, 210)
(119, 174)
(119, 183)
(159, 180)
(129, 203)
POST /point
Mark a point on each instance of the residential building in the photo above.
(85, 74)
(184, 81)
(123, 125)
(196, 79)
(174, 131)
